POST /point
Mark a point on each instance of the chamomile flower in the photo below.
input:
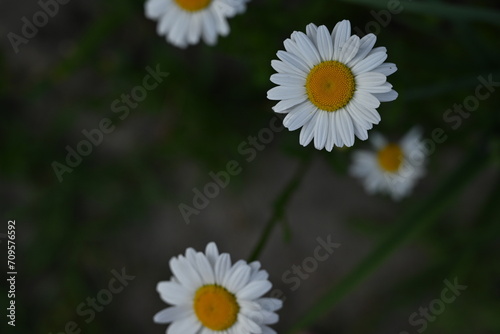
(331, 84)
(391, 168)
(209, 295)
(184, 22)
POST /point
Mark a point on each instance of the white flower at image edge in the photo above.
(331, 84)
(184, 22)
(391, 168)
(209, 295)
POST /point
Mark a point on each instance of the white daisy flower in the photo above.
(330, 85)
(183, 22)
(211, 296)
(392, 168)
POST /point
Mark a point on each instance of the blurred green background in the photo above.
(119, 207)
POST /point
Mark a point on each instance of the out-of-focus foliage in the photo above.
(67, 78)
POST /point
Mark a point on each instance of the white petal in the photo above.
(270, 304)
(249, 325)
(331, 138)
(268, 318)
(250, 306)
(387, 97)
(308, 49)
(369, 63)
(255, 265)
(366, 99)
(185, 273)
(311, 31)
(254, 290)
(268, 330)
(172, 314)
(155, 9)
(340, 34)
(365, 46)
(282, 67)
(385, 88)
(222, 266)
(307, 131)
(411, 140)
(167, 21)
(292, 47)
(360, 124)
(257, 274)
(173, 293)
(349, 50)
(361, 133)
(191, 256)
(378, 141)
(283, 93)
(237, 279)
(178, 33)
(370, 114)
(386, 68)
(357, 117)
(345, 127)
(205, 269)
(324, 43)
(299, 116)
(195, 25)
(321, 130)
(288, 79)
(226, 8)
(212, 253)
(238, 328)
(377, 50)
(188, 325)
(209, 32)
(370, 79)
(205, 330)
(220, 21)
(293, 60)
(285, 106)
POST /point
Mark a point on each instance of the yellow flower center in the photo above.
(215, 307)
(330, 85)
(390, 158)
(193, 5)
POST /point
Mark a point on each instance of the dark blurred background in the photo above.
(118, 208)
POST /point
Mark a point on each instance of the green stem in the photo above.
(279, 208)
(406, 227)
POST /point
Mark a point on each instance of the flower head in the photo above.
(392, 168)
(184, 22)
(330, 84)
(209, 295)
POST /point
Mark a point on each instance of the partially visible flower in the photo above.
(392, 168)
(184, 22)
(210, 295)
(331, 84)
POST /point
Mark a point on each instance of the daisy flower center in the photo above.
(390, 157)
(193, 5)
(330, 85)
(215, 307)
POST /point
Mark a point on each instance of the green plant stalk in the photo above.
(409, 225)
(279, 208)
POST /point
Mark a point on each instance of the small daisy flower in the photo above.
(209, 295)
(331, 84)
(392, 168)
(184, 22)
